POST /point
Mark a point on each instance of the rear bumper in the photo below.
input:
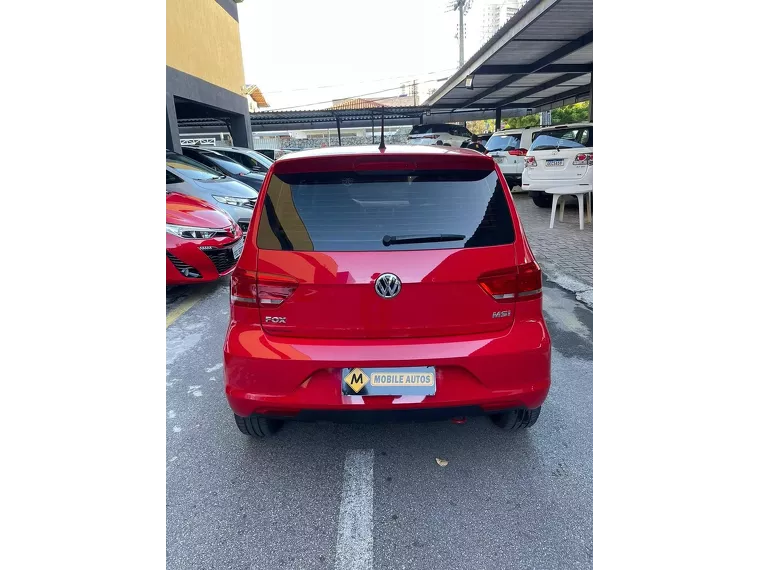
(542, 185)
(301, 378)
(372, 416)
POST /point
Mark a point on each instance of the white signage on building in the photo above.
(197, 141)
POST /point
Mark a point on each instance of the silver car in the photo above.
(186, 176)
(254, 161)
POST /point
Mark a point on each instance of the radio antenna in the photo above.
(382, 131)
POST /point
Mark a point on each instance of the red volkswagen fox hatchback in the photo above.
(385, 284)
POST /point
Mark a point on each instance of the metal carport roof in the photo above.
(541, 58)
(321, 118)
(328, 118)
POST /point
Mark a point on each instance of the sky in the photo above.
(306, 53)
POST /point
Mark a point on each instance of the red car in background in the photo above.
(202, 243)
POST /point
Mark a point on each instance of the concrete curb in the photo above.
(583, 292)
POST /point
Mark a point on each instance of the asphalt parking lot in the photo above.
(374, 496)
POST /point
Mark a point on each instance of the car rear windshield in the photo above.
(503, 142)
(190, 168)
(563, 138)
(385, 212)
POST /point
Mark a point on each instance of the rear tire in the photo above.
(513, 420)
(542, 200)
(257, 426)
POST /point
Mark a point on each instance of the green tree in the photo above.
(521, 122)
(482, 126)
(576, 113)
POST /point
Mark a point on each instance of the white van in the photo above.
(508, 148)
(560, 155)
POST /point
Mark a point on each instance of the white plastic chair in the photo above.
(560, 194)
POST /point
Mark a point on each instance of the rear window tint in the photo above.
(503, 142)
(563, 138)
(356, 212)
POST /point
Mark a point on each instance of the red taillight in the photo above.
(584, 158)
(254, 289)
(530, 162)
(502, 287)
(515, 284)
(530, 282)
(518, 152)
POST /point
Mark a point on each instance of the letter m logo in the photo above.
(356, 379)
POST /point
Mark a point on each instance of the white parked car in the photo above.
(440, 134)
(560, 155)
(508, 148)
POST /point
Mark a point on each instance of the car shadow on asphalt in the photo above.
(461, 444)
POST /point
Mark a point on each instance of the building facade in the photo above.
(204, 69)
(495, 14)
(402, 100)
(256, 100)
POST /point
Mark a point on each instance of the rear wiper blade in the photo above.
(429, 238)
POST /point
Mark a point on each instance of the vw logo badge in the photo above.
(387, 285)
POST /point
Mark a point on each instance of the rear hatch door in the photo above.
(383, 255)
(555, 152)
(506, 150)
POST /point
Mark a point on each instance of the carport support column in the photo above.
(239, 128)
(172, 127)
(590, 107)
(498, 119)
(339, 137)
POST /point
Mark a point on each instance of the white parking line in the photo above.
(355, 543)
